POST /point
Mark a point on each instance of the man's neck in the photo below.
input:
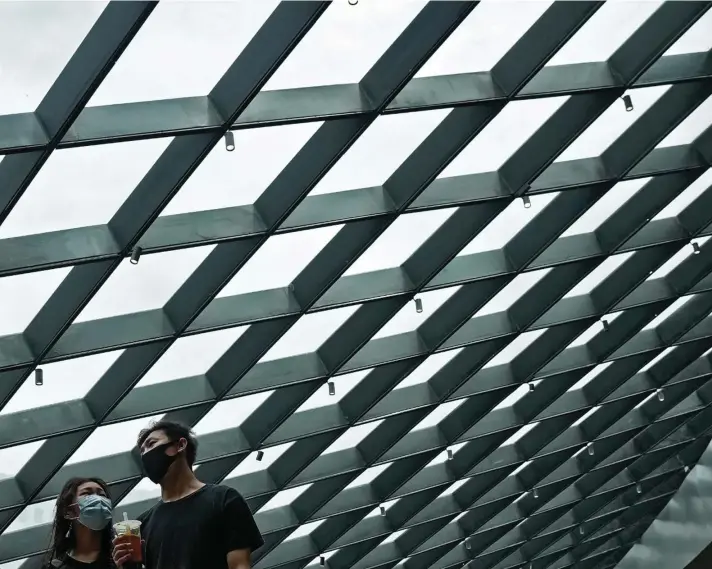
(179, 483)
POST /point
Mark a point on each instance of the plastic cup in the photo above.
(130, 532)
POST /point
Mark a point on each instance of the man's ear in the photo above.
(182, 444)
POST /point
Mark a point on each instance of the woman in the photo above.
(81, 536)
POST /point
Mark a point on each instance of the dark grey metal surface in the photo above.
(683, 529)
(544, 501)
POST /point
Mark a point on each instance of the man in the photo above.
(195, 525)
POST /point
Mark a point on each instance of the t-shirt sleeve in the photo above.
(239, 530)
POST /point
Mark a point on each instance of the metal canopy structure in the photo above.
(522, 399)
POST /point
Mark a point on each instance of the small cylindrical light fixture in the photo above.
(229, 141)
(260, 455)
(605, 325)
(695, 248)
(531, 387)
(638, 489)
(449, 454)
(382, 509)
(628, 102)
(135, 255)
(418, 305)
(468, 545)
(661, 395)
(591, 450)
(535, 492)
(332, 388)
(39, 376)
(686, 468)
(581, 530)
(322, 560)
(527, 202)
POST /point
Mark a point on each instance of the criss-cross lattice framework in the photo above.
(592, 465)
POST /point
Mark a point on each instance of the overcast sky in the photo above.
(183, 50)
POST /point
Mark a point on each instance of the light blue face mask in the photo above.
(94, 511)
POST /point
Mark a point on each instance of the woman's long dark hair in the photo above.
(62, 536)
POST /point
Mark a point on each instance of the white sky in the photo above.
(183, 50)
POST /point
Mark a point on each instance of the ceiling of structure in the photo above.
(447, 298)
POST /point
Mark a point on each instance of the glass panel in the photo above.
(669, 311)
(512, 292)
(513, 397)
(605, 32)
(14, 458)
(516, 347)
(37, 39)
(352, 437)
(191, 355)
(227, 179)
(393, 536)
(604, 208)
(697, 38)
(693, 191)
(63, 381)
(693, 126)
(519, 434)
(111, 439)
(597, 276)
(594, 329)
(454, 487)
(507, 224)
(356, 37)
(644, 401)
(309, 333)
(369, 475)
(503, 136)
(400, 240)
(585, 416)
(87, 184)
(614, 121)
(33, 515)
(145, 286)
(182, 50)
(484, 37)
(425, 371)
(304, 529)
(278, 262)
(590, 376)
(343, 384)
(231, 413)
(520, 468)
(408, 319)
(251, 464)
(13, 564)
(34, 289)
(377, 511)
(284, 498)
(676, 260)
(373, 158)
(144, 490)
(659, 357)
(438, 414)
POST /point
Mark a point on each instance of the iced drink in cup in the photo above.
(130, 532)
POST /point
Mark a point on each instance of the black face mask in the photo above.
(156, 462)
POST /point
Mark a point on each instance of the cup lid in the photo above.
(128, 524)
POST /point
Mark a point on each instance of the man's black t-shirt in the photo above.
(198, 531)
